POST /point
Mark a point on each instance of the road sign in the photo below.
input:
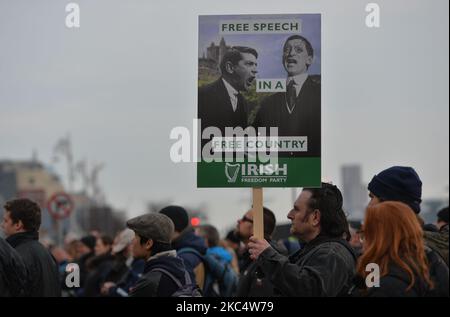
(60, 205)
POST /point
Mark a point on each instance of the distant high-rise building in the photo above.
(354, 191)
(33, 180)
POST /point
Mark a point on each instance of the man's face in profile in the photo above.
(295, 57)
(245, 72)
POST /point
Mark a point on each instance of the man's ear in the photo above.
(309, 60)
(18, 226)
(229, 67)
(149, 244)
(316, 217)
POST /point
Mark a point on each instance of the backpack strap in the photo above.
(189, 250)
(199, 270)
(173, 278)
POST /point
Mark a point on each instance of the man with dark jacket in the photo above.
(221, 104)
(252, 281)
(402, 183)
(163, 269)
(326, 264)
(21, 222)
(13, 274)
(189, 246)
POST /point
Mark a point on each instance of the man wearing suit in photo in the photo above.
(295, 112)
(221, 104)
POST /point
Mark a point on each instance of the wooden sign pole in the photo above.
(258, 215)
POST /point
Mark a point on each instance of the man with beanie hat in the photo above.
(397, 183)
(401, 183)
(188, 245)
(162, 268)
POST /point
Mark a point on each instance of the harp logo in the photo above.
(232, 171)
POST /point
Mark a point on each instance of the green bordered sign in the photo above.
(259, 96)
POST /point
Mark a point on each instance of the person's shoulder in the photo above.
(5, 249)
(208, 88)
(146, 285)
(27, 247)
(391, 285)
(314, 79)
(332, 249)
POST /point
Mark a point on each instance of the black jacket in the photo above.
(323, 267)
(157, 284)
(42, 269)
(13, 274)
(98, 267)
(82, 263)
(215, 109)
(252, 281)
(304, 120)
(439, 274)
(394, 284)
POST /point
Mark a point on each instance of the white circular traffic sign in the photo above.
(60, 205)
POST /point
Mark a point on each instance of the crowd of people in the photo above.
(161, 255)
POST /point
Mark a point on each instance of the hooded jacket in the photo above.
(191, 260)
(154, 283)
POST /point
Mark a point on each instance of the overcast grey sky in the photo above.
(128, 75)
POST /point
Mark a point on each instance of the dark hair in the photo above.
(328, 200)
(106, 240)
(269, 222)
(443, 215)
(26, 211)
(234, 55)
(309, 48)
(211, 234)
(178, 215)
(231, 236)
(157, 247)
(355, 224)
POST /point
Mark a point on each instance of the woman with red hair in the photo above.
(393, 240)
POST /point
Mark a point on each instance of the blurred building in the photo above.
(33, 180)
(354, 191)
(91, 216)
(29, 179)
